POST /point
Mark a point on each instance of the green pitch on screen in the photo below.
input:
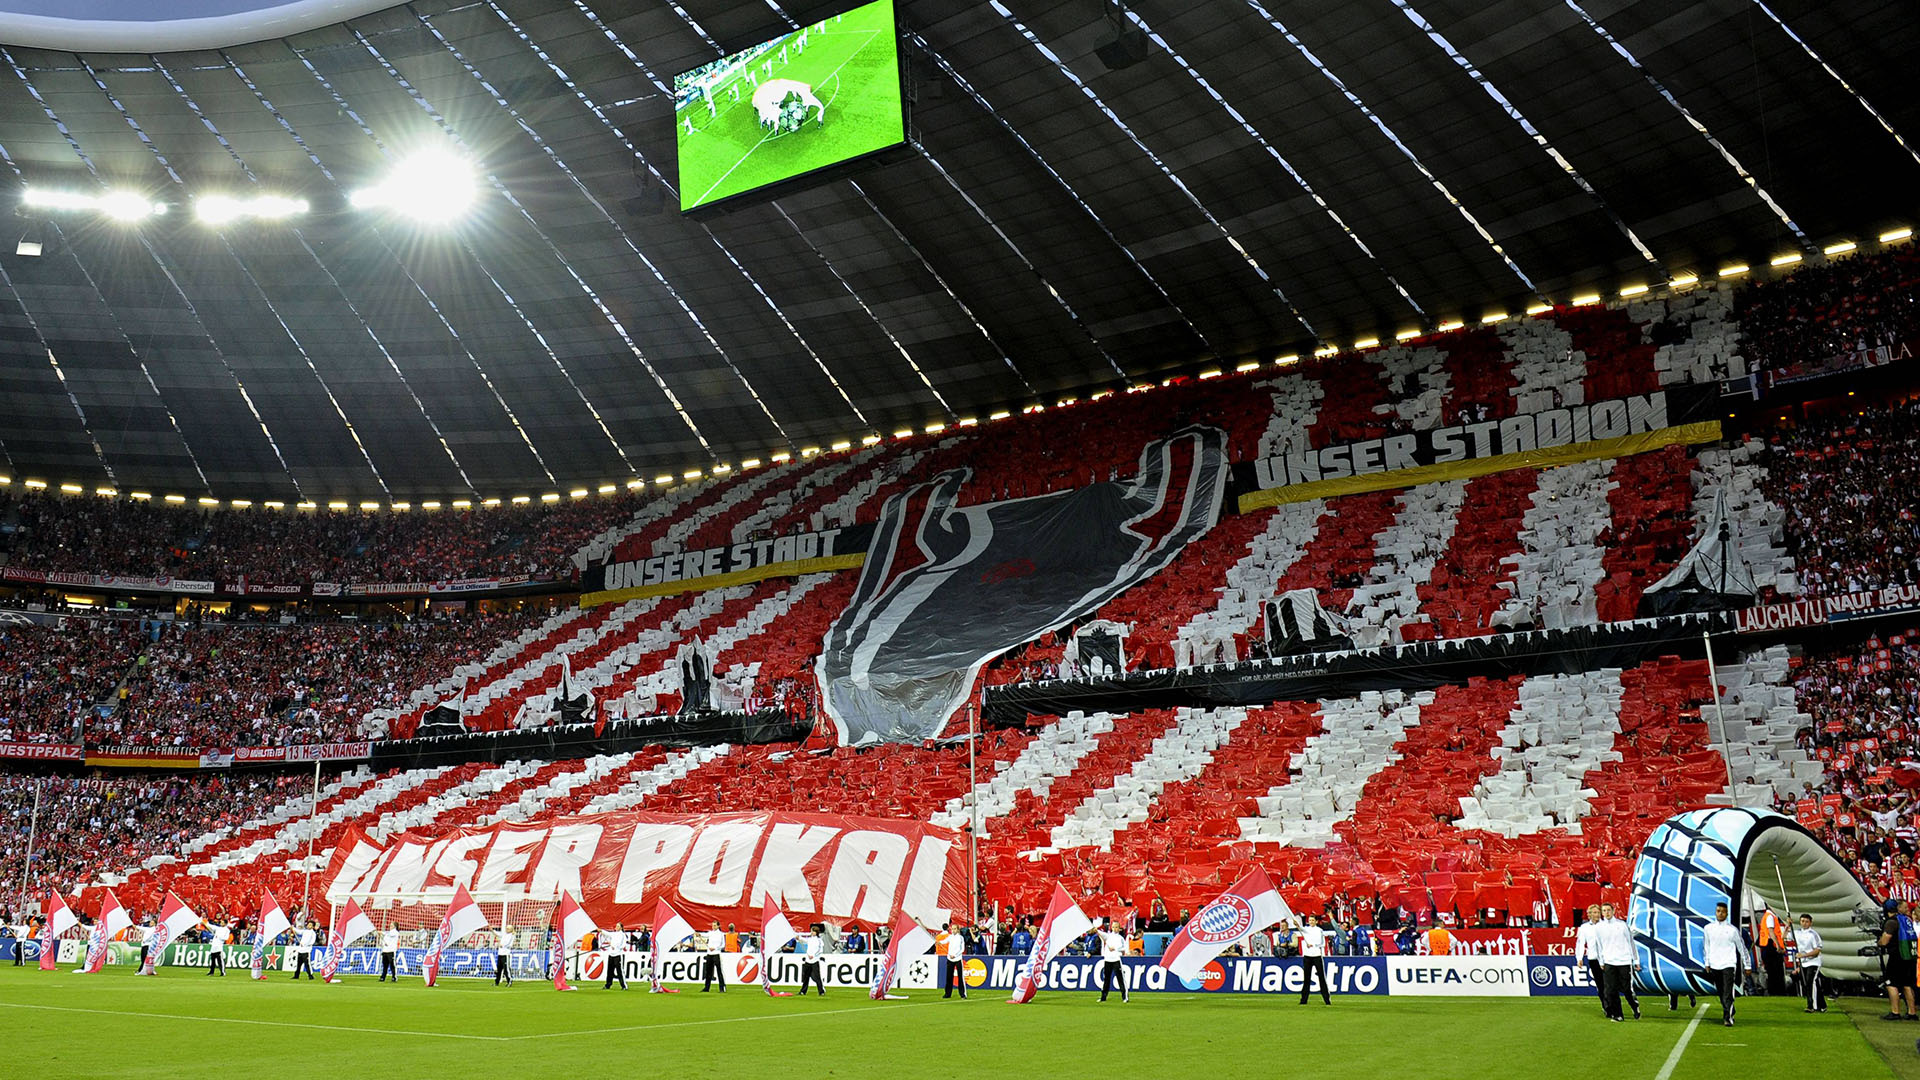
(818, 96)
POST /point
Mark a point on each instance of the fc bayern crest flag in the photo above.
(1064, 922)
(176, 918)
(463, 917)
(272, 923)
(60, 919)
(113, 919)
(350, 924)
(1252, 904)
(571, 923)
(909, 940)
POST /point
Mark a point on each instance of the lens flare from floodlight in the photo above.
(46, 199)
(225, 209)
(434, 187)
(127, 206)
(216, 209)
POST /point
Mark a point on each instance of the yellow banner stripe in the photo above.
(793, 568)
(1705, 431)
(95, 761)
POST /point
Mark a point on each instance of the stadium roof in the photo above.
(1272, 175)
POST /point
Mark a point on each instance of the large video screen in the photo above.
(821, 95)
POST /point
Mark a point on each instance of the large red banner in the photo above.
(711, 867)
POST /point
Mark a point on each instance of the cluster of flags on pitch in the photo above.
(1251, 905)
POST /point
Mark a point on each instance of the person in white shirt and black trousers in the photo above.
(710, 963)
(303, 952)
(503, 957)
(1725, 956)
(614, 943)
(1113, 950)
(218, 937)
(812, 948)
(1807, 947)
(953, 971)
(1311, 940)
(389, 948)
(1613, 944)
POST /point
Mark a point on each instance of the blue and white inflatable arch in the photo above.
(1720, 856)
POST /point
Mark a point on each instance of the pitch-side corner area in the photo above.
(182, 1023)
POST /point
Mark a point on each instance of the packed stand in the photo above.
(88, 825)
(1800, 324)
(51, 677)
(1845, 483)
(79, 534)
(1864, 704)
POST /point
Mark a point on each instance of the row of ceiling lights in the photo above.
(431, 187)
(1893, 236)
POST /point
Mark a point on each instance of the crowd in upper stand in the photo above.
(90, 534)
(1864, 701)
(88, 823)
(1799, 322)
(123, 683)
(1847, 484)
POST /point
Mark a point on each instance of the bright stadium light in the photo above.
(126, 206)
(224, 209)
(119, 205)
(435, 186)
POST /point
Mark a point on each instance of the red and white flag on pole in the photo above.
(1064, 922)
(113, 919)
(909, 940)
(271, 924)
(1253, 904)
(350, 924)
(776, 933)
(463, 917)
(669, 930)
(59, 919)
(571, 923)
(176, 918)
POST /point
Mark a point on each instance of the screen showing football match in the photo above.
(823, 94)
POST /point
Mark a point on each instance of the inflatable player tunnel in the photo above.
(1720, 856)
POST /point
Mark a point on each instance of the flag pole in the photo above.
(1719, 716)
(973, 810)
(33, 829)
(313, 815)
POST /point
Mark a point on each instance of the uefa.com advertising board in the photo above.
(1403, 976)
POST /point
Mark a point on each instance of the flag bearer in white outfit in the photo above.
(1725, 956)
(389, 948)
(1312, 943)
(812, 948)
(1807, 947)
(1113, 949)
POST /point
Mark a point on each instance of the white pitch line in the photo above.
(1673, 1059)
(261, 1023)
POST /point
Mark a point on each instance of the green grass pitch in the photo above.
(852, 64)
(184, 1024)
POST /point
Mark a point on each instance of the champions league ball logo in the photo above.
(1225, 920)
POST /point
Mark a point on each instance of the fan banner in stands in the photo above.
(710, 867)
(337, 751)
(42, 751)
(1856, 360)
(947, 588)
(143, 757)
(1613, 428)
(326, 588)
(1892, 600)
(623, 578)
(118, 582)
(1501, 941)
(436, 588)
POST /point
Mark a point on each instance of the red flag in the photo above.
(463, 917)
(909, 939)
(1064, 922)
(176, 918)
(669, 930)
(350, 924)
(59, 919)
(775, 933)
(271, 924)
(113, 919)
(571, 923)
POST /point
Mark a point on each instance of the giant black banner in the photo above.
(946, 588)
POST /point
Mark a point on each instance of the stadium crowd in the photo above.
(88, 534)
(114, 682)
(1850, 304)
(1833, 476)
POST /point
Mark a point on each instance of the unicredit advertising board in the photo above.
(710, 867)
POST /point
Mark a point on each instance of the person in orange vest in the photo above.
(1771, 935)
(1439, 942)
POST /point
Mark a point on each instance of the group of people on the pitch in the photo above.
(1604, 945)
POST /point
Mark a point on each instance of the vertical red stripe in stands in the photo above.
(1464, 591)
